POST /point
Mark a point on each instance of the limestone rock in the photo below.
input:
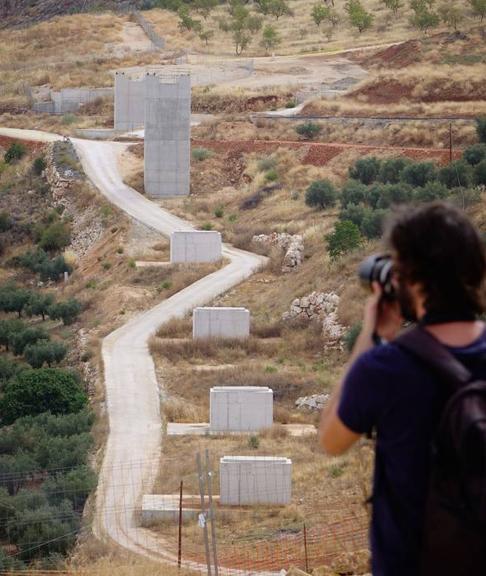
(292, 244)
(314, 402)
(322, 307)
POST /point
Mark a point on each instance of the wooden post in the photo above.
(450, 143)
(179, 548)
(305, 549)
(203, 512)
(211, 514)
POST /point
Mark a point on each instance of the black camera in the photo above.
(378, 268)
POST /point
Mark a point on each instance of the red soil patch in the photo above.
(397, 56)
(318, 153)
(6, 142)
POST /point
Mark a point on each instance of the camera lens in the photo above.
(378, 268)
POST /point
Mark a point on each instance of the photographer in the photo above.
(429, 494)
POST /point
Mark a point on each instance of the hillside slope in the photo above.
(24, 12)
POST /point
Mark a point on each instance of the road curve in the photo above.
(133, 450)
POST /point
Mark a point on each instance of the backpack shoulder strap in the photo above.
(422, 344)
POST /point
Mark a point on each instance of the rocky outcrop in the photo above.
(292, 244)
(322, 307)
(314, 402)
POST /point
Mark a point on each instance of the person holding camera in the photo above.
(422, 392)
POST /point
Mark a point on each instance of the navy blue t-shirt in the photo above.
(391, 391)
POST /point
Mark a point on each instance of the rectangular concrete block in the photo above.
(195, 246)
(129, 102)
(253, 480)
(220, 323)
(167, 135)
(240, 408)
(157, 508)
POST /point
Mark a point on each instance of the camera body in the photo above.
(378, 268)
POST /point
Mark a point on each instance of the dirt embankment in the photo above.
(319, 154)
(207, 102)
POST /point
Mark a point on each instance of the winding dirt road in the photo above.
(133, 450)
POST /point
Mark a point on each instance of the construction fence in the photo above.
(189, 526)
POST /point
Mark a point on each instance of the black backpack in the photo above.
(455, 522)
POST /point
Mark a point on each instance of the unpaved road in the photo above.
(133, 450)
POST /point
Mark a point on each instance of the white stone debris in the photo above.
(314, 402)
(292, 244)
(321, 306)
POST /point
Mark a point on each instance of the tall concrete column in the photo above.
(129, 102)
(167, 135)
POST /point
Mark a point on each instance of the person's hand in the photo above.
(381, 316)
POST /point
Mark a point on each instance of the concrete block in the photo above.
(220, 323)
(195, 246)
(240, 408)
(253, 480)
(157, 508)
(129, 102)
(167, 135)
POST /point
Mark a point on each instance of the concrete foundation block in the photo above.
(159, 508)
(240, 408)
(253, 480)
(167, 135)
(195, 246)
(220, 323)
(129, 102)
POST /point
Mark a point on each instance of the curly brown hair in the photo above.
(437, 246)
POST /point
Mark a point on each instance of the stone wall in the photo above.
(86, 227)
(321, 307)
(292, 244)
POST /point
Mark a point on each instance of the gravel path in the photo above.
(134, 445)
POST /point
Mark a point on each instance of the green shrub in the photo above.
(430, 192)
(291, 104)
(391, 169)
(344, 238)
(8, 369)
(39, 304)
(74, 485)
(480, 174)
(266, 164)
(8, 330)
(365, 170)
(45, 352)
(392, 194)
(200, 154)
(271, 175)
(373, 223)
(207, 226)
(354, 213)
(481, 128)
(15, 152)
(253, 442)
(29, 335)
(68, 119)
(13, 299)
(351, 336)
(67, 311)
(354, 192)
(5, 222)
(219, 212)
(45, 390)
(40, 263)
(39, 165)
(308, 130)
(457, 174)
(321, 194)
(55, 236)
(419, 173)
(475, 154)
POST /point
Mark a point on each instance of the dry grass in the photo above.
(298, 33)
